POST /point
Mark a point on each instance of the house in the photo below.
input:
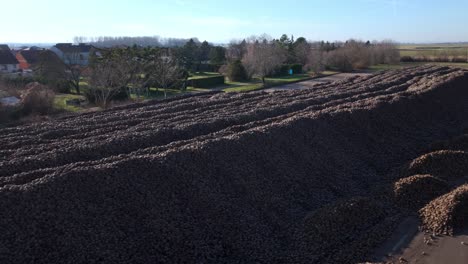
(73, 54)
(28, 58)
(8, 62)
(4, 47)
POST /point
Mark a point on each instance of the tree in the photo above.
(189, 55)
(163, 70)
(301, 50)
(111, 75)
(217, 55)
(316, 61)
(204, 51)
(236, 72)
(52, 68)
(263, 57)
(236, 50)
(284, 40)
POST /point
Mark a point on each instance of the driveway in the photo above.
(310, 83)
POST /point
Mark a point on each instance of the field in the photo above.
(402, 65)
(305, 176)
(435, 51)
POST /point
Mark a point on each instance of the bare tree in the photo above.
(163, 70)
(316, 60)
(236, 50)
(385, 52)
(73, 71)
(111, 74)
(263, 58)
(51, 67)
(80, 39)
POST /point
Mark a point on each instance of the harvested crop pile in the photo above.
(215, 178)
(345, 231)
(416, 191)
(446, 164)
(447, 213)
(457, 143)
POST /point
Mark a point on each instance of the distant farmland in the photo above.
(438, 51)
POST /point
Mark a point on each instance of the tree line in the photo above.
(118, 72)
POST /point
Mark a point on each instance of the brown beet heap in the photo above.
(221, 178)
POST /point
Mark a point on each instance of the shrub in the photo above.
(459, 59)
(37, 99)
(281, 70)
(407, 59)
(9, 113)
(297, 68)
(285, 68)
(18, 82)
(207, 82)
(224, 70)
(339, 60)
(60, 86)
(96, 95)
(236, 72)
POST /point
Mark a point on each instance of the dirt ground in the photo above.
(310, 83)
(409, 245)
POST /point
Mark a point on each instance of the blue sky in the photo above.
(220, 21)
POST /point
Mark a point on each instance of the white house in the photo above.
(8, 61)
(73, 54)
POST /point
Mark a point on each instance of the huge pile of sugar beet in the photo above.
(279, 177)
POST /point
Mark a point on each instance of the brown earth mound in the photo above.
(416, 191)
(446, 164)
(344, 232)
(215, 178)
(448, 213)
(458, 143)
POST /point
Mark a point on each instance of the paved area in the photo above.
(310, 83)
(409, 245)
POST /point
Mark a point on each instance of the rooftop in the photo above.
(6, 57)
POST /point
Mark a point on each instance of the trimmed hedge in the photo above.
(297, 68)
(206, 82)
(284, 69)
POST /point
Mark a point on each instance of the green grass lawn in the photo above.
(159, 93)
(60, 102)
(256, 83)
(199, 75)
